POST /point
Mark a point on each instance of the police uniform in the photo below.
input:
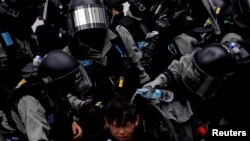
(179, 110)
(133, 34)
(17, 45)
(37, 118)
(133, 51)
(16, 50)
(30, 119)
(37, 112)
(113, 61)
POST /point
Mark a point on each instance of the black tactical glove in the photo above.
(91, 114)
(89, 107)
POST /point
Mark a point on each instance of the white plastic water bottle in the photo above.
(37, 60)
(162, 95)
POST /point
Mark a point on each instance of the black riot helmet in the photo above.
(87, 20)
(209, 67)
(63, 74)
(86, 14)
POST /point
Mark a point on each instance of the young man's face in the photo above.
(124, 132)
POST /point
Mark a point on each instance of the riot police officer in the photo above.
(238, 29)
(115, 63)
(17, 46)
(39, 108)
(157, 23)
(197, 78)
(178, 28)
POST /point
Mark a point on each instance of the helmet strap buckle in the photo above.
(142, 7)
(14, 13)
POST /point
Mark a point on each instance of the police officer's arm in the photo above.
(75, 102)
(132, 51)
(177, 67)
(172, 73)
(33, 117)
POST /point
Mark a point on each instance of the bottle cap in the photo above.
(37, 60)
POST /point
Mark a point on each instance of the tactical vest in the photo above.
(59, 117)
(133, 26)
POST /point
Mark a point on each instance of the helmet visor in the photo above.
(87, 17)
(77, 83)
(199, 82)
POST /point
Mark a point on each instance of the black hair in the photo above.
(121, 111)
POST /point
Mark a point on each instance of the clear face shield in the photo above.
(84, 17)
(199, 82)
(77, 83)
